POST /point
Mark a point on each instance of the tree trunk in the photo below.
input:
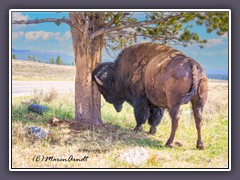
(88, 54)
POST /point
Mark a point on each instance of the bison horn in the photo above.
(98, 81)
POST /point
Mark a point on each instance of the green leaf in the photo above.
(195, 37)
(57, 23)
(204, 41)
(209, 30)
(138, 29)
(199, 22)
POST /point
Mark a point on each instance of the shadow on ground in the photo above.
(104, 138)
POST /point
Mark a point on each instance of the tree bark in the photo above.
(88, 54)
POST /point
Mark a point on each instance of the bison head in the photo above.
(105, 77)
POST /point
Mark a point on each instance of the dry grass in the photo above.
(28, 70)
(103, 144)
(48, 96)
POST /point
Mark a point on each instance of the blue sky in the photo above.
(49, 37)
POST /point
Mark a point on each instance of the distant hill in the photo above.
(35, 71)
(44, 56)
(218, 76)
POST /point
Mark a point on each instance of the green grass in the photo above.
(104, 144)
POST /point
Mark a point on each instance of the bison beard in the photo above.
(154, 77)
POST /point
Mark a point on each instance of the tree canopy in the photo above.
(164, 27)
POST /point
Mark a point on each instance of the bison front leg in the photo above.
(141, 111)
(155, 118)
(174, 117)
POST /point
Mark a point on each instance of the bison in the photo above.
(153, 77)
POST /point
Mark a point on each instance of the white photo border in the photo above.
(117, 169)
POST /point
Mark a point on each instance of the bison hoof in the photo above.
(200, 145)
(174, 144)
(169, 145)
(138, 128)
(152, 131)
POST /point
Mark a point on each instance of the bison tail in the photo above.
(195, 79)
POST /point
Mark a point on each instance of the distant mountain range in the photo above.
(43, 56)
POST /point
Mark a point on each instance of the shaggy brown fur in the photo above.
(153, 77)
(177, 80)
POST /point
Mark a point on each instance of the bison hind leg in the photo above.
(197, 106)
(198, 102)
(155, 118)
(175, 118)
(141, 111)
(197, 111)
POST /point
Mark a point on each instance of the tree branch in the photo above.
(127, 25)
(111, 22)
(107, 50)
(37, 21)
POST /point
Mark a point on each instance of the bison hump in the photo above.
(145, 53)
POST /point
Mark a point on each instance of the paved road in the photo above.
(23, 88)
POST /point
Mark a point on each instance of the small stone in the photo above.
(54, 121)
(40, 132)
(135, 156)
(37, 108)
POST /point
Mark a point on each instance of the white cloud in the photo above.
(16, 35)
(43, 35)
(214, 42)
(35, 35)
(217, 41)
(64, 37)
(225, 35)
(215, 53)
(17, 16)
(57, 34)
